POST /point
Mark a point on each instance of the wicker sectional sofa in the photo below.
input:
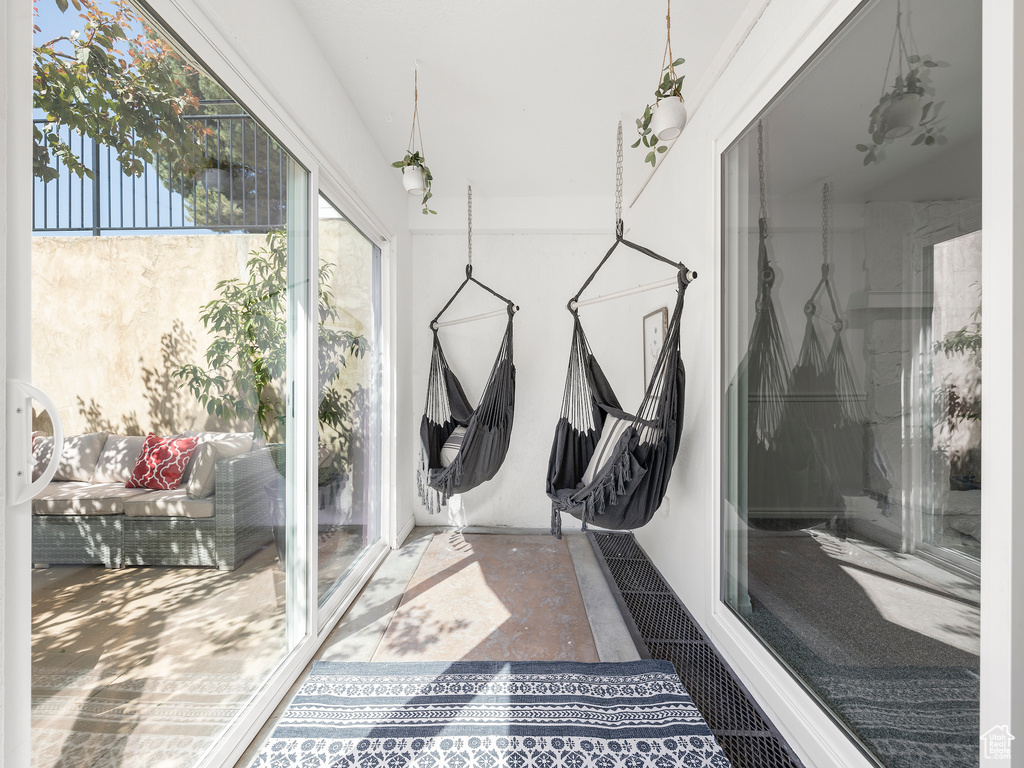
(90, 517)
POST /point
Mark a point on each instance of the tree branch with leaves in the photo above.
(118, 82)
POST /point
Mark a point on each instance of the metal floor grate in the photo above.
(669, 632)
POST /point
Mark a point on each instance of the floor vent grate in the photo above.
(668, 632)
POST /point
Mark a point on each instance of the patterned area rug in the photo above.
(490, 714)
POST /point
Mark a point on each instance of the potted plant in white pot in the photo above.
(904, 107)
(416, 176)
(663, 120)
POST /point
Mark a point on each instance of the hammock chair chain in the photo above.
(825, 282)
(618, 182)
(686, 275)
(825, 210)
(511, 306)
(763, 211)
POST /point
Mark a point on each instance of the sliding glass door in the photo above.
(348, 409)
(852, 360)
(194, 502)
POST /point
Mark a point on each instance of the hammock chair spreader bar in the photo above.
(473, 318)
(627, 292)
(686, 275)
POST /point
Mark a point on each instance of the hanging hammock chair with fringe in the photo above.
(607, 467)
(463, 446)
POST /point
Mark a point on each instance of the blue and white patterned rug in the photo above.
(480, 714)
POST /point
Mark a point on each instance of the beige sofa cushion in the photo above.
(213, 446)
(77, 460)
(174, 503)
(83, 499)
(118, 458)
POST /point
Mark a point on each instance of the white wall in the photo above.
(4, 248)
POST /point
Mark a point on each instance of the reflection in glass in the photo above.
(348, 493)
(852, 356)
(166, 308)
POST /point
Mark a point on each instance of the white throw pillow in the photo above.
(118, 458)
(77, 460)
(228, 444)
(200, 481)
(452, 446)
(613, 429)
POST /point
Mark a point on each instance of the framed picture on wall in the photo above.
(655, 328)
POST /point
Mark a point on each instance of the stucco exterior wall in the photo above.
(114, 317)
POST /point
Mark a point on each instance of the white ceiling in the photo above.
(519, 97)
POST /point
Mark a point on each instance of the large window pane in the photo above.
(348, 471)
(852, 357)
(169, 300)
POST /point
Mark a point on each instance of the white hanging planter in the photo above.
(901, 116)
(412, 179)
(668, 117)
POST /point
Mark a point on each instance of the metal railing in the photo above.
(244, 187)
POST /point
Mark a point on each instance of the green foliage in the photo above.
(962, 406)
(245, 370)
(669, 86)
(125, 90)
(915, 81)
(416, 160)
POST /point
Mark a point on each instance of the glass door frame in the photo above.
(210, 42)
(343, 595)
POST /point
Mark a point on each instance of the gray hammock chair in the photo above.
(627, 488)
(488, 427)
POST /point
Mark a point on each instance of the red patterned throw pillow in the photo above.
(162, 462)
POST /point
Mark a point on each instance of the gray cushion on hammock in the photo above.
(452, 446)
(612, 431)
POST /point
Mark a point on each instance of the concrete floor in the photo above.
(448, 595)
